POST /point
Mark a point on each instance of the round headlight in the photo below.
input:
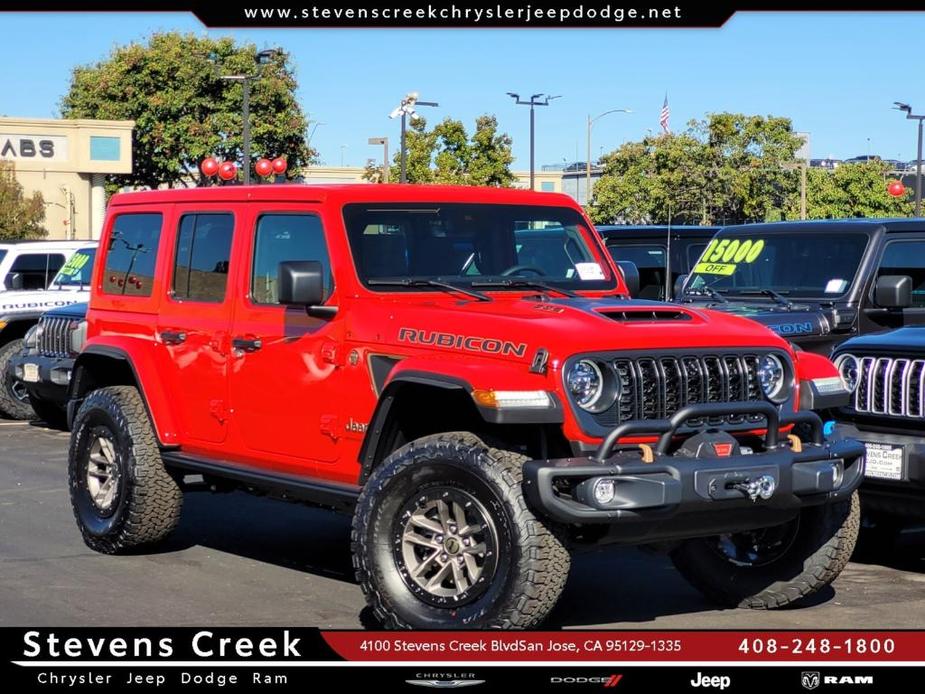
(585, 383)
(772, 377)
(31, 338)
(848, 367)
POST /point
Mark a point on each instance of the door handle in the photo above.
(173, 337)
(242, 344)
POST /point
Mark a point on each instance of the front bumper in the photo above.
(53, 375)
(676, 496)
(904, 496)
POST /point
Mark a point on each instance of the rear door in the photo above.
(194, 320)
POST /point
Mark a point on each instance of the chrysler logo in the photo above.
(444, 684)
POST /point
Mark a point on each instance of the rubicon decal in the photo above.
(470, 343)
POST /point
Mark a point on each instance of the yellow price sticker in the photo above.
(75, 264)
(715, 268)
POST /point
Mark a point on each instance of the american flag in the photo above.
(665, 116)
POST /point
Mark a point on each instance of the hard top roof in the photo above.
(832, 225)
(654, 230)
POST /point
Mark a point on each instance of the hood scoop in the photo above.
(646, 315)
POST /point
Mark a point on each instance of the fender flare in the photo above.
(163, 421)
(387, 398)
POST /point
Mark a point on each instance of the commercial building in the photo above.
(67, 162)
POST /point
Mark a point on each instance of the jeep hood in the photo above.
(515, 327)
(793, 323)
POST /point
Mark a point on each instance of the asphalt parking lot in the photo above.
(242, 560)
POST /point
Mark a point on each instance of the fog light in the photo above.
(604, 491)
(61, 377)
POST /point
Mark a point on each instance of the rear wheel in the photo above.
(773, 567)
(443, 539)
(14, 398)
(121, 493)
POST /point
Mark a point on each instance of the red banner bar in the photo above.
(629, 646)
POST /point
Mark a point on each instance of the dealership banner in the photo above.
(298, 659)
(469, 14)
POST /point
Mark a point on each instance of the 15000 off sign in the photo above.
(722, 256)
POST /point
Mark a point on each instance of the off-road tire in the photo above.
(533, 562)
(820, 550)
(49, 412)
(10, 406)
(147, 502)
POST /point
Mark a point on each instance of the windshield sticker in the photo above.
(836, 286)
(589, 271)
(723, 256)
(74, 265)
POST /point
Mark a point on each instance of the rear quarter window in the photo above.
(132, 254)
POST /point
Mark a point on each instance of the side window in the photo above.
(132, 254)
(286, 236)
(200, 270)
(906, 258)
(35, 269)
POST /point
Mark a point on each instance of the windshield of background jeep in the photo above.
(806, 264)
(464, 243)
(76, 271)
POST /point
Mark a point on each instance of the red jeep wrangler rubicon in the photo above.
(463, 371)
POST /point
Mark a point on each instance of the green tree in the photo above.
(852, 190)
(21, 217)
(726, 168)
(448, 155)
(184, 111)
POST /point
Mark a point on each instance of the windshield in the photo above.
(466, 243)
(797, 264)
(76, 271)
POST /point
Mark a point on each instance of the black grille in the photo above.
(889, 386)
(658, 386)
(55, 338)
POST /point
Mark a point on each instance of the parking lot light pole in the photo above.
(907, 109)
(384, 141)
(591, 122)
(535, 100)
(263, 58)
(405, 109)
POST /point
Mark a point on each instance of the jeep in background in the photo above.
(30, 265)
(886, 375)
(815, 283)
(662, 254)
(409, 355)
(21, 310)
(44, 366)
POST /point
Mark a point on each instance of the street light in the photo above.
(405, 109)
(591, 122)
(907, 109)
(384, 141)
(535, 100)
(264, 58)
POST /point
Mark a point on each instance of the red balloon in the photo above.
(896, 188)
(227, 170)
(263, 167)
(209, 166)
(279, 165)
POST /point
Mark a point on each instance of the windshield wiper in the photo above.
(779, 298)
(523, 284)
(408, 282)
(708, 291)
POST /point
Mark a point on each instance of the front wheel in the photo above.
(773, 567)
(443, 539)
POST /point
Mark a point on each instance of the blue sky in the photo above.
(835, 75)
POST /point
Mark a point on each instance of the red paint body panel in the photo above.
(300, 404)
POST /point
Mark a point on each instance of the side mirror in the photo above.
(678, 286)
(630, 275)
(301, 283)
(16, 282)
(893, 291)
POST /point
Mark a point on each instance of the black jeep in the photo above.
(661, 254)
(816, 283)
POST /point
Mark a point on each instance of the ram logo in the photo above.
(809, 680)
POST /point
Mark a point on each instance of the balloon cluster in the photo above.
(228, 170)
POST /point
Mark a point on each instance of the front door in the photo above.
(193, 323)
(900, 256)
(282, 381)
